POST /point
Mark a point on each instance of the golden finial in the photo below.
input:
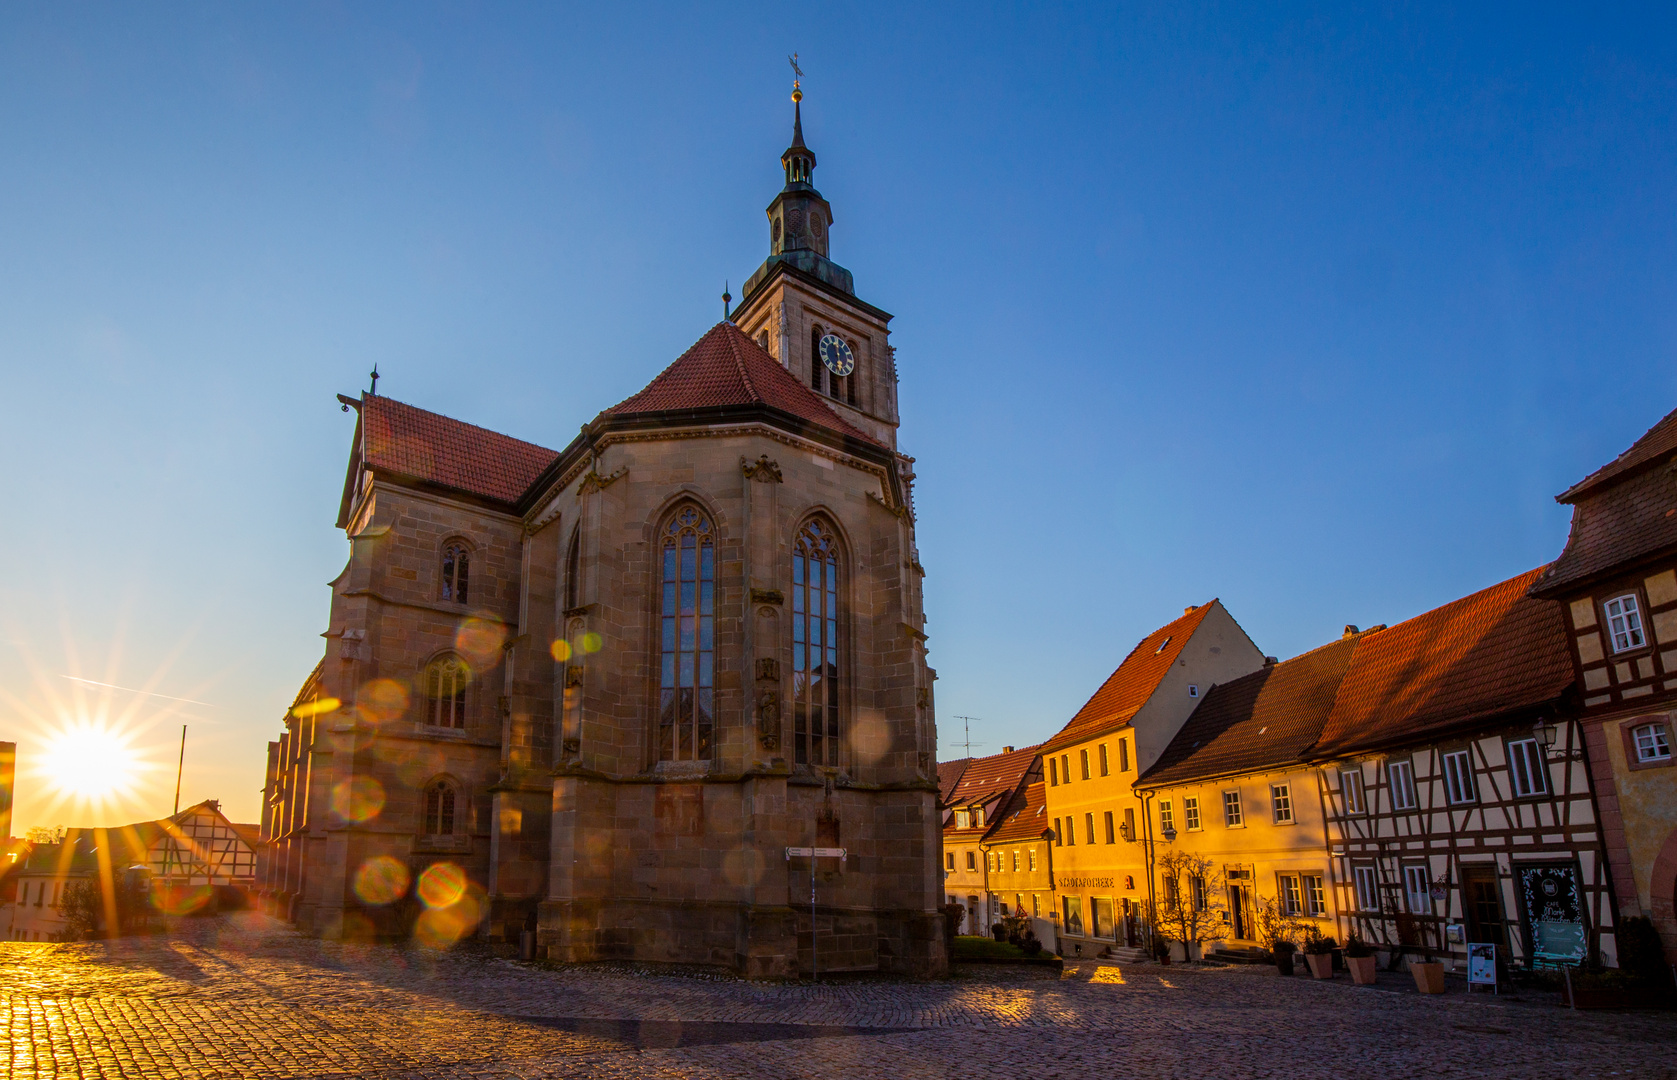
(797, 74)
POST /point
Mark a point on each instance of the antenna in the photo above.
(966, 723)
(179, 767)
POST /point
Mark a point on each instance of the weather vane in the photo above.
(797, 74)
(374, 389)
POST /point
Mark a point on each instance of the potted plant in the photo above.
(1359, 957)
(1318, 953)
(1428, 973)
(1283, 951)
(1161, 948)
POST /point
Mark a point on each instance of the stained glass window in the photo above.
(687, 705)
(815, 645)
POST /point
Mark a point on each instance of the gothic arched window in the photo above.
(687, 639)
(815, 645)
(573, 570)
(439, 809)
(445, 692)
(456, 562)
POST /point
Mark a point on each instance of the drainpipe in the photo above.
(1147, 861)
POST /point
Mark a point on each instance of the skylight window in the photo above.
(1161, 647)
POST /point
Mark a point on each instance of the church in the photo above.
(615, 694)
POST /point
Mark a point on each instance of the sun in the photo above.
(89, 761)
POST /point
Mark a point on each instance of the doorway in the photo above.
(1486, 921)
(1239, 917)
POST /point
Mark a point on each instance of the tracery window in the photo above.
(456, 564)
(687, 698)
(815, 653)
(439, 809)
(445, 692)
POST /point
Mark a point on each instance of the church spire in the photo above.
(798, 160)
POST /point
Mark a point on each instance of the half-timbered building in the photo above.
(1458, 804)
(1616, 584)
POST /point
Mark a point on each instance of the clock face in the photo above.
(837, 355)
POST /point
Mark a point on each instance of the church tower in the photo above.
(799, 297)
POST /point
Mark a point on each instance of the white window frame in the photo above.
(1459, 789)
(1315, 895)
(1624, 623)
(1401, 774)
(1528, 766)
(1292, 899)
(1234, 817)
(1166, 819)
(1281, 804)
(963, 819)
(1031, 855)
(1191, 813)
(1657, 747)
(1368, 887)
(1351, 790)
(1417, 903)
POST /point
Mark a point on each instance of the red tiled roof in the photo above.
(727, 368)
(1267, 718)
(985, 776)
(1655, 443)
(1614, 525)
(1024, 818)
(1127, 689)
(1493, 652)
(948, 775)
(429, 447)
(1625, 510)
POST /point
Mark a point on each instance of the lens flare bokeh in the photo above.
(441, 885)
(382, 699)
(561, 650)
(480, 641)
(381, 880)
(358, 799)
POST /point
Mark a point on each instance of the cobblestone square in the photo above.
(247, 997)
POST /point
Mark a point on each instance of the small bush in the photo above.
(1357, 947)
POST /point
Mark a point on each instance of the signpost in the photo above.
(1481, 967)
(813, 853)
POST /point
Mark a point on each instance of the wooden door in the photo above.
(1486, 920)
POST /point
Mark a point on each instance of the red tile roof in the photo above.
(990, 781)
(1622, 512)
(1127, 689)
(948, 775)
(727, 368)
(1496, 651)
(1655, 443)
(436, 449)
(1024, 818)
(1268, 718)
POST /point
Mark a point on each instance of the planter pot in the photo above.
(1362, 969)
(1321, 966)
(1284, 962)
(1429, 978)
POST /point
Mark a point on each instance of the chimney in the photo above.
(1190, 609)
(1350, 630)
(1007, 749)
(1270, 661)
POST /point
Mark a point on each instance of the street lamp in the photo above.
(1545, 733)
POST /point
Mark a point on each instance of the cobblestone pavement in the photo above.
(247, 997)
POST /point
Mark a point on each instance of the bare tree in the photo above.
(1192, 904)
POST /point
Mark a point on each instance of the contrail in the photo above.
(131, 690)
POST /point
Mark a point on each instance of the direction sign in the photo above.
(817, 852)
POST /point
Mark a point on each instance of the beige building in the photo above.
(1235, 788)
(1099, 821)
(599, 692)
(978, 795)
(1019, 849)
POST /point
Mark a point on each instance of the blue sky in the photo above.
(1313, 310)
